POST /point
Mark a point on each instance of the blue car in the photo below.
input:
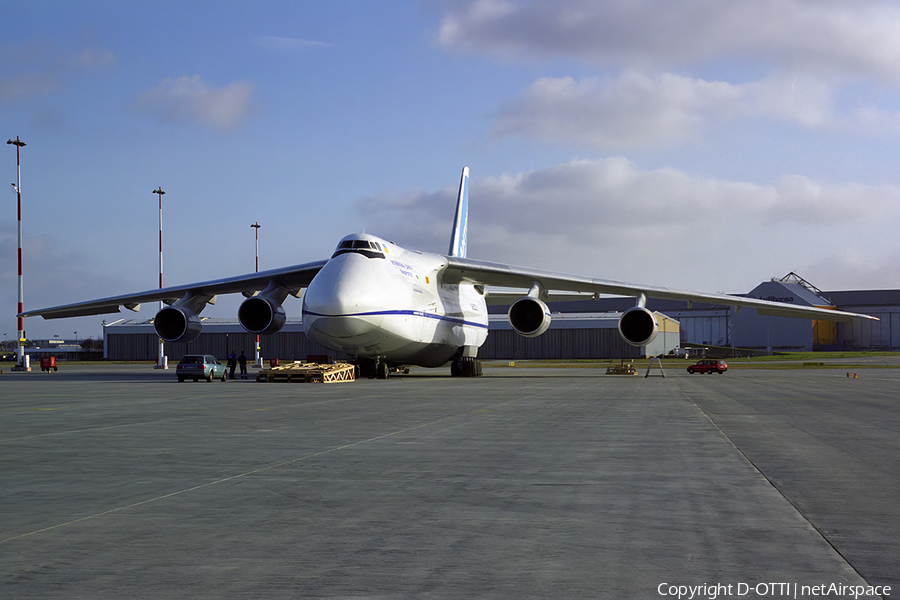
(200, 366)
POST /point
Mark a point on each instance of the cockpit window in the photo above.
(365, 247)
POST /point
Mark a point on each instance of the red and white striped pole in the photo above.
(256, 226)
(161, 358)
(21, 306)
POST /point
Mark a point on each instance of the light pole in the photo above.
(161, 358)
(19, 144)
(256, 226)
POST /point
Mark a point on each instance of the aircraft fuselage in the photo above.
(376, 300)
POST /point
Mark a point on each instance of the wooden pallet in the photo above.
(307, 373)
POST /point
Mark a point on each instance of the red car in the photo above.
(708, 365)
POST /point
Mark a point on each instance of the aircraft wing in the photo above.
(291, 278)
(465, 270)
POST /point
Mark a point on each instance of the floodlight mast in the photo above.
(161, 362)
(256, 226)
(21, 305)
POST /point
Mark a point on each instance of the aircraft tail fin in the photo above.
(458, 237)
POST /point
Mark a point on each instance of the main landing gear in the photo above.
(466, 366)
(373, 368)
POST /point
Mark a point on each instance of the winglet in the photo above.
(458, 237)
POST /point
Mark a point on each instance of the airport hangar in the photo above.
(585, 329)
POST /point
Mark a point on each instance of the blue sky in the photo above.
(700, 145)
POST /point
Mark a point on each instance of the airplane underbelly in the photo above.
(349, 329)
(398, 337)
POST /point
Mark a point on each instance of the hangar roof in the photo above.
(792, 293)
(848, 298)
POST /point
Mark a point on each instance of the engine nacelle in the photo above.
(177, 324)
(261, 315)
(529, 316)
(638, 326)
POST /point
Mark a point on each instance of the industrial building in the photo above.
(731, 327)
(60, 349)
(575, 335)
(586, 329)
(569, 336)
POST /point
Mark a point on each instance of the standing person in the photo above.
(232, 363)
(242, 360)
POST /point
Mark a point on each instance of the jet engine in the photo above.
(529, 316)
(638, 326)
(261, 315)
(177, 324)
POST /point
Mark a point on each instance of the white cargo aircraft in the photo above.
(386, 306)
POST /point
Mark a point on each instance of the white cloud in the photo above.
(608, 218)
(805, 100)
(15, 87)
(847, 37)
(189, 99)
(790, 61)
(639, 110)
(37, 69)
(853, 268)
(94, 59)
(276, 43)
(633, 110)
(52, 276)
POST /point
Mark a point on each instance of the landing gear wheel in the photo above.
(382, 370)
(466, 367)
(366, 368)
(456, 369)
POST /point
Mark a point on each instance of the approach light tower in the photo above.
(161, 362)
(19, 144)
(256, 226)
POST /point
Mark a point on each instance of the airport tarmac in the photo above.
(118, 482)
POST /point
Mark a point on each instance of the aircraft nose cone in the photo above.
(338, 303)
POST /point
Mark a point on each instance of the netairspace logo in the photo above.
(712, 591)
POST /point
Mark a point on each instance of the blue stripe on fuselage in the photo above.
(413, 313)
